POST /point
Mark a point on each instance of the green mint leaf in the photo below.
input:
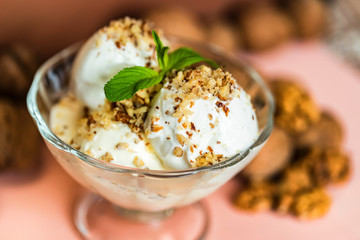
(161, 51)
(184, 57)
(130, 80)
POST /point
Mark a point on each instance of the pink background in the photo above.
(40, 206)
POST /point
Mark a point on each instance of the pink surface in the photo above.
(40, 207)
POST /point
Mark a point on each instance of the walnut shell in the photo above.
(274, 156)
(326, 133)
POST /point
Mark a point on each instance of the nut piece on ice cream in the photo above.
(200, 117)
(123, 43)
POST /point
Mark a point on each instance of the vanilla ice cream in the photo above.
(124, 43)
(200, 117)
(195, 117)
(87, 121)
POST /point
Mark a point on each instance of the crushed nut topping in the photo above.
(207, 159)
(178, 152)
(138, 162)
(107, 157)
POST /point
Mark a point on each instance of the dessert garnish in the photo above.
(132, 79)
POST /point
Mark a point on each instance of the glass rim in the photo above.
(50, 137)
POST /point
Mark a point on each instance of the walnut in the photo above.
(256, 197)
(223, 34)
(178, 152)
(284, 203)
(294, 180)
(312, 204)
(295, 109)
(326, 133)
(326, 165)
(207, 159)
(177, 21)
(309, 16)
(264, 26)
(18, 64)
(274, 156)
(17, 152)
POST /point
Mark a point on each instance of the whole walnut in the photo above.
(8, 136)
(19, 139)
(326, 133)
(274, 156)
(224, 35)
(18, 64)
(309, 16)
(311, 204)
(326, 165)
(177, 21)
(295, 109)
(263, 26)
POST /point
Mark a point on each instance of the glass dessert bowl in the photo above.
(125, 200)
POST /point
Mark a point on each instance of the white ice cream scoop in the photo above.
(124, 43)
(205, 124)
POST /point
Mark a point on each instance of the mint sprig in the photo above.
(130, 80)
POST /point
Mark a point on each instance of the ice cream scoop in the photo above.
(123, 43)
(200, 117)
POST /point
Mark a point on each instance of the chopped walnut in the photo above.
(138, 162)
(207, 159)
(107, 157)
(178, 152)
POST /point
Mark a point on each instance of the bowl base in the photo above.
(96, 218)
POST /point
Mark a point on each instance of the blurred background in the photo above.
(308, 51)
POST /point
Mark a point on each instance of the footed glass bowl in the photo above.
(131, 203)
